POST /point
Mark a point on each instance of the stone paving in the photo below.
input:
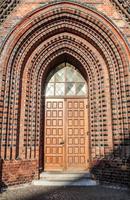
(65, 193)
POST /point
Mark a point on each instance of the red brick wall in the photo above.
(16, 172)
(1, 172)
(112, 171)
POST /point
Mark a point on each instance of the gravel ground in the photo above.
(31, 192)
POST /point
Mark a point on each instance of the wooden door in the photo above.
(54, 135)
(66, 142)
(77, 151)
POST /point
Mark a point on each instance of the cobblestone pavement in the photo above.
(65, 193)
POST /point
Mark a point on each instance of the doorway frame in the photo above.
(82, 71)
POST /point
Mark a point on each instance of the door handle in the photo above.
(62, 142)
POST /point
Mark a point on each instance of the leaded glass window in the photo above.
(65, 80)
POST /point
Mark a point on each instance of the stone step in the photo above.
(64, 176)
(82, 182)
(65, 179)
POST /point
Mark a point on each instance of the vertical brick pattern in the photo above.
(1, 163)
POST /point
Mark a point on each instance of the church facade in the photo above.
(64, 89)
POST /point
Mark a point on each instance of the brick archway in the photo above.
(42, 39)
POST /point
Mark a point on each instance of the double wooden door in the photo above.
(66, 135)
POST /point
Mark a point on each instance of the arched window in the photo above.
(65, 81)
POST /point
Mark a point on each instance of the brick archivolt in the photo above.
(29, 52)
(66, 44)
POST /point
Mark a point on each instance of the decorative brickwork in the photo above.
(41, 42)
(6, 6)
(124, 7)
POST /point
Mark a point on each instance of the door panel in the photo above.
(54, 135)
(66, 140)
(76, 134)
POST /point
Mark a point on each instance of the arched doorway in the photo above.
(38, 40)
(66, 120)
